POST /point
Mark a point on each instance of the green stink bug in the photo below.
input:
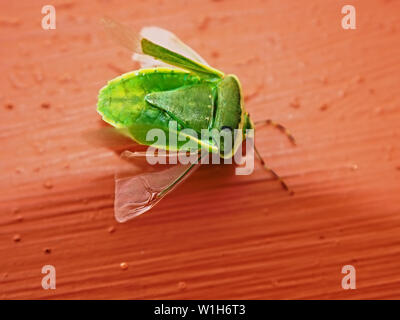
(174, 85)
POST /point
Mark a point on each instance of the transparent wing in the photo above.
(138, 190)
(146, 61)
(122, 34)
(132, 41)
(170, 41)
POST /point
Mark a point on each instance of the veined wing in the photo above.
(136, 193)
(162, 45)
(171, 42)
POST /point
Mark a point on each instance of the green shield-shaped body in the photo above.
(152, 98)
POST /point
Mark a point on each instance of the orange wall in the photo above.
(220, 235)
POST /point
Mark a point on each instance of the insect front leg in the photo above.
(280, 127)
(276, 176)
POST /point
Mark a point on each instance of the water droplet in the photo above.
(9, 106)
(123, 265)
(295, 103)
(45, 105)
(111, 229)
(354, 167)
(359, 79)
(204, 22)
(341, 93)
(214, 54)
(182, 285)
(17, 238)
(19, 218)
(324, 107)
(48, 185)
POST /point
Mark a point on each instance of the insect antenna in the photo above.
(276, 176)
(278, 126)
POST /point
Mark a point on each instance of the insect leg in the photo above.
(280, 127)
(276, 176)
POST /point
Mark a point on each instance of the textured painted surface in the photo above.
(220, 235)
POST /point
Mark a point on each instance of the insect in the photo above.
(174, 84)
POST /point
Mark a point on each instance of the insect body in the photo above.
(179, 86)
(196, 97)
